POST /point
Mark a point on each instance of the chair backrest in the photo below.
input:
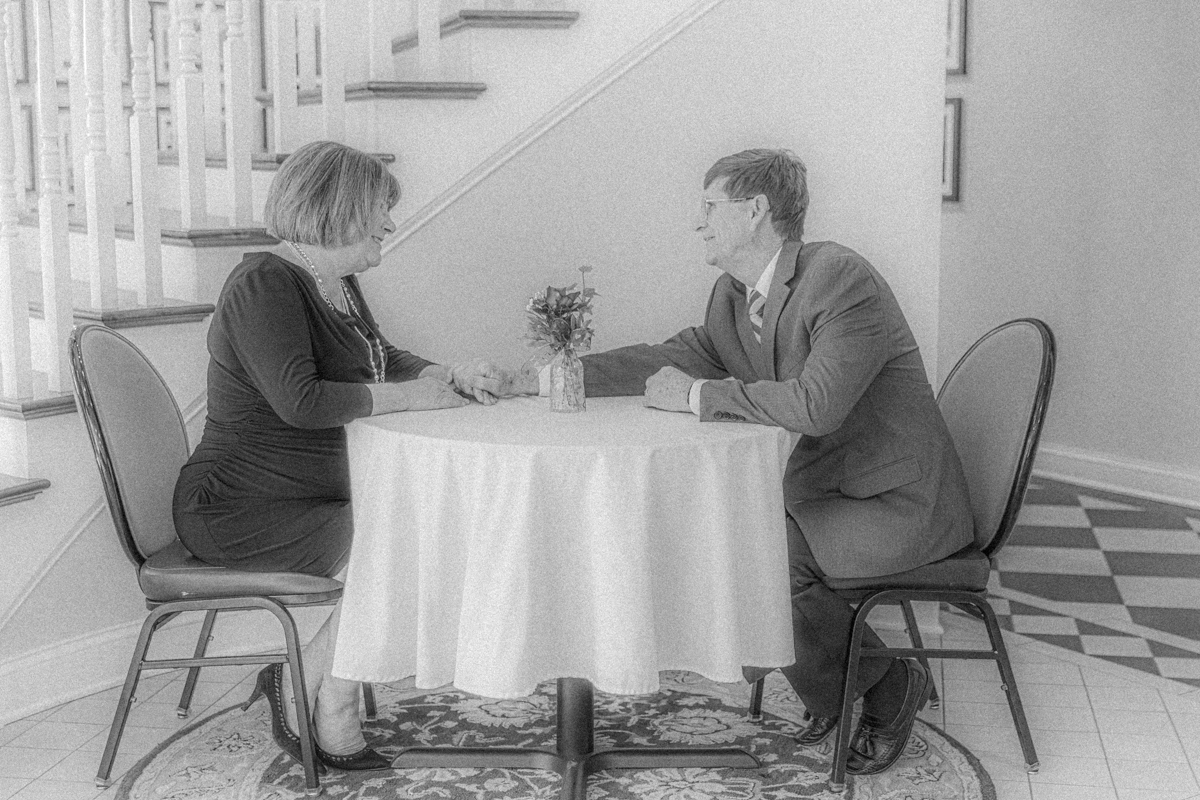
(994, 402)
(137, 435)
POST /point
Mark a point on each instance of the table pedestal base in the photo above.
(575, 756)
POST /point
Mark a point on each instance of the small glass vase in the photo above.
(566, 382)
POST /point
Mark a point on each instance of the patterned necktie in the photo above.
(757, 301)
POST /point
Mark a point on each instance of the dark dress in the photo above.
(268, 487)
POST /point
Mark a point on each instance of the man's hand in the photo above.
(526, 379)
(668, 389)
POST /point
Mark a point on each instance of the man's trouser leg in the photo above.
(821, 623)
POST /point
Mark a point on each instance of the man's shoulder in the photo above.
(830, 262)
(832, 254)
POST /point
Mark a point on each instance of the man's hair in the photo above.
(778, 174)
(327, 194)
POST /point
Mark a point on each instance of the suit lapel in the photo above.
(777, 297)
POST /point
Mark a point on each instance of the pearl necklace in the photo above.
(374, 347)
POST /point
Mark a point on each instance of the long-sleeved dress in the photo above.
(268, 487)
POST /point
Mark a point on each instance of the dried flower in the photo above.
(561, 318)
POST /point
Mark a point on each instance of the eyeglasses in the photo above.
(707, 204)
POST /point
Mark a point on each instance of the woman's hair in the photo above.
(778, 174)
(327, 194)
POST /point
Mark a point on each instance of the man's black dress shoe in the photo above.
(818, 730)
(874, 748)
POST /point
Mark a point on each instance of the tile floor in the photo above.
(1105, 666)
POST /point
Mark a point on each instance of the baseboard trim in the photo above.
(1142, 479)
(64, 671)
(555, 116)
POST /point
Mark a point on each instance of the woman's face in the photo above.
(368, 252)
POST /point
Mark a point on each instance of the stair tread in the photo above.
(258, 161)
(215, 232)
(14, 489)
(493, 18)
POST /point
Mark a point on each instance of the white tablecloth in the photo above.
(499, 546)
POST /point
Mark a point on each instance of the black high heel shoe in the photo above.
(270, 683)
(367, 759)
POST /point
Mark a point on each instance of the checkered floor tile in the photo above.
(1111, 576)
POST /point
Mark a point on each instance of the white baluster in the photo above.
(306, 44)
(259, 59)
(382, 24)
(102, 257)
(239, 113)
(334, 54)
(78, 93)
(189, 119)
(116, 126)
(210, 70)
(429, 39)
(16, 370)
(283, 74)
(52, 212)
(143, 146)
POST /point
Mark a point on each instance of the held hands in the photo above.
(422, 394)
(479, 379)
(526, 379)
(668, 389)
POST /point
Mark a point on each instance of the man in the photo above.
(809, 337)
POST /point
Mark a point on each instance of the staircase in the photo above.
(143, 138)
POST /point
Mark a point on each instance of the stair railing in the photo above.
(99, 164)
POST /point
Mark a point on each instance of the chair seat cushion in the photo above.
(175, 574)
(966, 570)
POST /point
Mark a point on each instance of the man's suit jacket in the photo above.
(875, 483)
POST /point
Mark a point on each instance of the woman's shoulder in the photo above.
(261, 271)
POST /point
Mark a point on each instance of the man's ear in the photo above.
(762, 209)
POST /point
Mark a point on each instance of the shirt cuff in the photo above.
(544, 381)
(694, 397)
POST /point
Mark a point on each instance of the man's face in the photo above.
(724, 224)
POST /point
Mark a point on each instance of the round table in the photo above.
(499, 546)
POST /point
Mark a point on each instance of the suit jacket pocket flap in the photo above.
(882, 479)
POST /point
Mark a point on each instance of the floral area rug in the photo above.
(230, 755)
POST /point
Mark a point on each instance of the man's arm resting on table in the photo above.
(848, 350)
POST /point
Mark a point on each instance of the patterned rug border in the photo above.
(986, 785)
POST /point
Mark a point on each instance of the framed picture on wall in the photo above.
(952, 150)
(956, 37)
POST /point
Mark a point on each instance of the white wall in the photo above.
(853, 86)
(1080, 196)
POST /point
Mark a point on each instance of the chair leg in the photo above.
(756, 699)
(368, 692)
(189, 685)
(841, 747)
(914, 633)
(308, 753)
(1009, 682)
(126, 700)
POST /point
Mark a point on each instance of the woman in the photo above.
(294, 355)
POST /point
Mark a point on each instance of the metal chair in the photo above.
(994, 402)
(140, 443)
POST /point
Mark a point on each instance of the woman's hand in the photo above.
(422, 394)
(478, 378)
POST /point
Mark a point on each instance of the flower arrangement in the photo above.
(561, 318)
